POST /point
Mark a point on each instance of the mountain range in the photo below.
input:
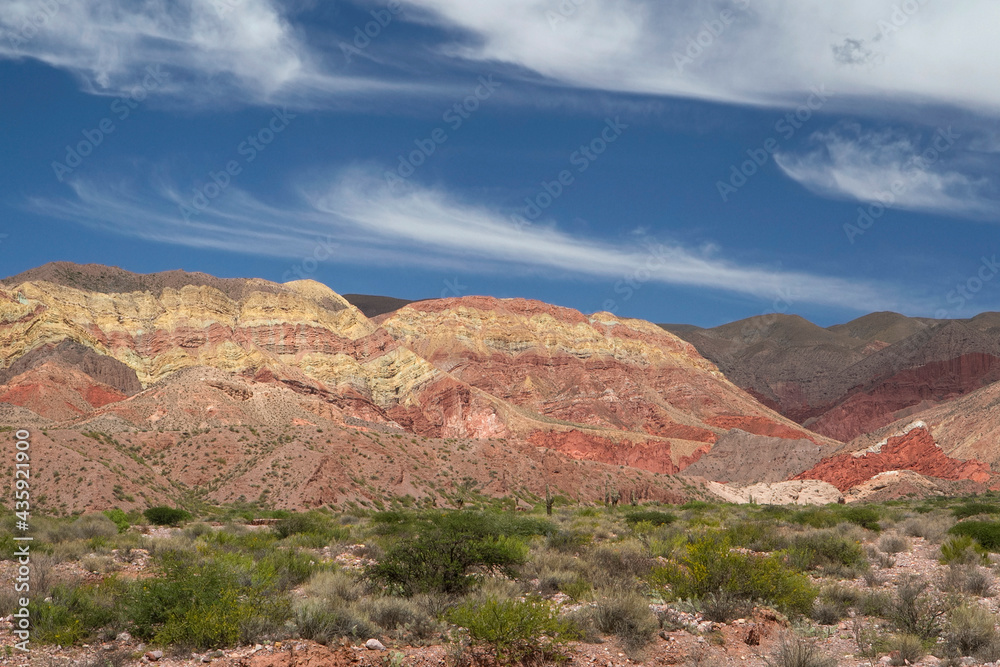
(177, 386)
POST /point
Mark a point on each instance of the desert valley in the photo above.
(251, 418)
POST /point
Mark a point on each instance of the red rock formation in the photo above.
(654, 456)
(915, 450)
(760, 426)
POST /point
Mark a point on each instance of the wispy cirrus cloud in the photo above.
(216, 51)
(892, 167)
(759, 52)
(415, 226)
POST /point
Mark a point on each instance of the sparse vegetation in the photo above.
(412, 575)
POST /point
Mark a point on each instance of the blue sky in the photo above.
(693, 162)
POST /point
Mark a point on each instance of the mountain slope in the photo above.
(853, 378)
(147, 362)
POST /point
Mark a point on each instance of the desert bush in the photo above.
(99, 564)
(710, 566)
(325, 623)
(834, 602)
(829, 550)
(930, 527)
(119, 518)
(513, 630)
(964, 550)
(965, 510)
(797, 652)
(915, 611)
(828, 517)
(970, 628)
(826, 613)
(90, 526)
(618, 563)
(213, 600)
(873, 578)
(986, 533)
(196, 530)
(569, 540)
(757, 535)
(876, 603)
(334, 586)
(626, 615)
(162, 515)
(652, 517)
(724, 606)
(967, 579)
(893, 543)
(905, 649)
(440, 557)
(73, 613)
(389, 612)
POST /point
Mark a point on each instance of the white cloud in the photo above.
(894, 169)
(761, 52)
(219, 51)
(373, 223)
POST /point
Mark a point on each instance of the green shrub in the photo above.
(210, 601)
(973, 508)
(826, 549)
(652, 517)
(796, 652)
(440, 557)
(987, 533)
(94, 526)
(915, 611)
(325, 623)
(626, 615)
(569, 540)
(757, 535)
(893, 544)
(709, 566)
(970, 629)
(968, 579)
(162, 515)
(905, 649)
(78, 613)
(724, 606)
(964, 550)
(513, 630)
(866, 517)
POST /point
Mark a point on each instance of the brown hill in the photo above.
(856, 377)
(966, 428)
(373, 306)
(187, 369)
